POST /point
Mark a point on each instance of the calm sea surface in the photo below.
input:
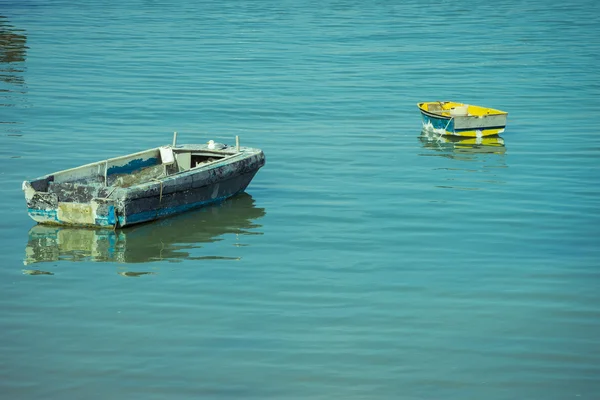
(365, 261)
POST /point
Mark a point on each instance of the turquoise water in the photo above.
(365, 261)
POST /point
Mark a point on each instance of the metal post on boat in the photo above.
(237, 143)
(174, 139)
(106, 173)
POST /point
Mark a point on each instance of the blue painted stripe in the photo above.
(111, 215)
(48, 214)
(435, 116)
(104, 222)
(480, 129)
(132, 165)
(52, 215)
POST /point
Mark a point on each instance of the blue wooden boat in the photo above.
(142, 186)
(459, 119)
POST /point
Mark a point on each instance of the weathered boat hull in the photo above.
(180, 197)
(141, 187)
(476, 121)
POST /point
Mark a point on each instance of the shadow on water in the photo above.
(169, 239)
(465, 149)
(13, 43)
(13, 50)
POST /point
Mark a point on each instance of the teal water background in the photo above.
(364, 262)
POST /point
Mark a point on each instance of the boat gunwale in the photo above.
(92, 164)
(440, 114)
(185, 147)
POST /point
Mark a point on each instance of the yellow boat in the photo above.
(459, 119)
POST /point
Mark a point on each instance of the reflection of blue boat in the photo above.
(458, 119)
(142, 186)
(168, 239)
(13, 44)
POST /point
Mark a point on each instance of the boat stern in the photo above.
(41, 206)
(45, 208)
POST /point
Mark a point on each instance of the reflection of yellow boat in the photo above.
(454, 144)
(166, 239)
(458, 119)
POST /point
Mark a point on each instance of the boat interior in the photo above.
(450, 108)
(168, 161)
(136, 168)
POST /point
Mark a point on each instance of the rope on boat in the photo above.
(159, 197)
(111, 192)
(450, 120)
(439, 137)
(161, 189)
